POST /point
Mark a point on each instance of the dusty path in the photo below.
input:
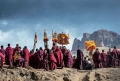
(65, 74)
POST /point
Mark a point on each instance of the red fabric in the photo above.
(59, 57)
(103, 56)
(54, 48)
(26, 54)
(9, 52)
(2, 59)
(52, 61)
(97, 59)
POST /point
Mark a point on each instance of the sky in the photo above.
(20, 19)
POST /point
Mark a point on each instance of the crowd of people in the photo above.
(57, 57)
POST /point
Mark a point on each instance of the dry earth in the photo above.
(66, 74)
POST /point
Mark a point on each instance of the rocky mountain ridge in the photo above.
(109, 38)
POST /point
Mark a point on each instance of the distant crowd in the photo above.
(57, 57)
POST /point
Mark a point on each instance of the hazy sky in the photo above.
(20, 19)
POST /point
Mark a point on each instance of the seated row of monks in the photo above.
(56, 57)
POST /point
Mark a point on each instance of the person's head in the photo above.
(74, 57)
(114, 47)
(41, 48)
(53, 44)
(102, 50)
(17, 45)
(36, 49)
(97, 49)
(8, 45)
(25, 47)
(2, 46)
(45, 51)
(88, 59)
(46, 46)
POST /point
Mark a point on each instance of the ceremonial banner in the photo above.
(90, 45)
(63, 39)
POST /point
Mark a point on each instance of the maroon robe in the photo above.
(103, 59)
(35, 60)
(2, 51)
(69, 60)
(59, 57)
(9, 56)
(26, 57)
(40, 59)
(2, 59)
(31, 60)
(52, 62)
(45, 62)
(79, 59)
(115, 58)
(97, 59)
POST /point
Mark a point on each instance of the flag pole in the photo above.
(34, 46)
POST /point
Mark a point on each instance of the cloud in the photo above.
(4, 22)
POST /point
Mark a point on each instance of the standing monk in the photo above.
(103, 59)
(40, 58)
(35, 57)
(114, 57)
(9, 54)
(109, 58)
(97, 59)
(79, 59)
(26, 56)
(52, 61)
(2, 50)
(2, 60)
(69, 59)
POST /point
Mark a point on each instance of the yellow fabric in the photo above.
(16, 55)
(90, 45)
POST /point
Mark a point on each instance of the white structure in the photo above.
(102, 44)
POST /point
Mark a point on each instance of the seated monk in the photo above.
(52, 61)
(19, 61)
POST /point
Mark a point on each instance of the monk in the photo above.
(114, 57)
(69, 61)
(46, 48)
(31, 58)
(109, 58)
(59, 57)
(2, 50)
(35, 57)
(9, 54)
(74, 59)
(45, 60)
(52, 61)
(26, 56)
(40, 58)
(103, 59)
(16, 50)
(54, 47)
(79, 59)
(97, 58)
(2, 60)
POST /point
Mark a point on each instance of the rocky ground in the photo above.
(66, 74)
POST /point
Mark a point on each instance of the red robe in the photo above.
(52, 62)
(9, 56)
(2, 59)
(115, 57)
(103, 59)
(97, 59)
(59, 57)
(40, 59)
(26, 57)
